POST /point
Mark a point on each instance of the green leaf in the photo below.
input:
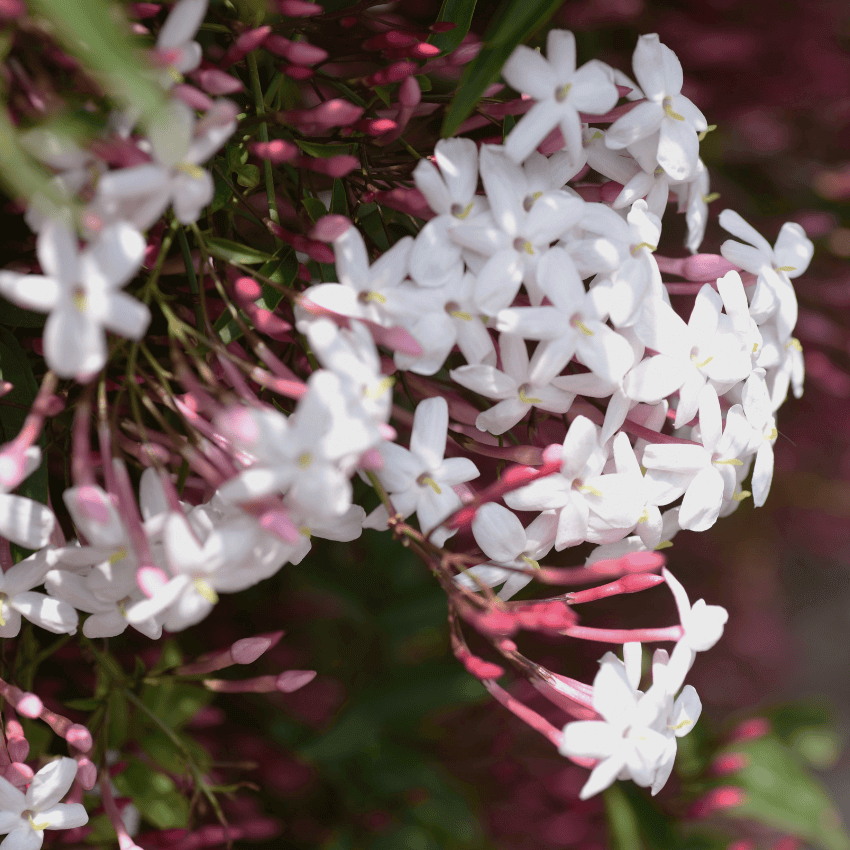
(156, 796)
(458, 12)
(325, 151)
(624, 830)
(233, 252)
(315, 208)
(339, 201)
(515, 21)
(781, 793)
(248, 176)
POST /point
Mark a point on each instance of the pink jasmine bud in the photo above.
(335, 166)
(276, 151)
(78, 736)
(627, 584)
(293, 680)
(247, 289)
(717, 800)
(18, 746)
(409, 93)
(5, 387)
(297, 52)
(492, 622)
(244, 44)
(442, 26)
(393, 74)
(424, 51)
(391, 38)
(192, 97)
(375, 126)
(143, 10)
(267, 322)
(749, 730)
(465, 53)
(329, 228)
(26, 703)
(18, 774)
(298, 72)
(410, 201)
(248, 650)
(298, 8)
(86, 772)
(12, 9)
(216, 82)
(729, 763)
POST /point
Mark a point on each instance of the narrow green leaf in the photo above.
(515, 21)
(315, 208)
(233, 252)
(458, 12)
(339, 201)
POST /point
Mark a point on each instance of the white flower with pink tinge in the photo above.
(421, 478)
(179, 144)
(561, 92)
(175, 45)
(665, 111)
(25, 816)
(624, 740)
(81, 292)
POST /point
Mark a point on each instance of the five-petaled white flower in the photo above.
(25, 816)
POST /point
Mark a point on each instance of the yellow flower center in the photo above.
(206, 590)
(194, 171)
(669, 111)
(527, 399)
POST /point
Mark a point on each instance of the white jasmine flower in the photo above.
(175, 44)
(25, 817)
(519, 386)
(705, 474)
(560, 90)
(625, 740)
(579, 490)
(81, 292)
(789, 258)
(572, 322)
(141, 193)
(420, 479)
(501, 537)
(665, 112)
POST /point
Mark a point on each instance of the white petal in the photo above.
(794, 249)
(23, 838)
(458, 162)
(432, 186)
(12, 799)
(25, 522)
(498, 532)
(502, 416)
(733, 223)
(589, 739)
(572, 524)
(126, 316)
(430, 427)
(528, 72)
(54, 615)
(64, 816)
(116, 254)
(648, 63)
(56, 248)
(30, 291)
(73, 345)
(702, 502)
(182, 23)
(655, 378)
(678, 148)
(762, 474)
(170, 132)
(51, 783)
(638, 123)
(579, 444)
(191, 194)
(686, 711)
(498, 281)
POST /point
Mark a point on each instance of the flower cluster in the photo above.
(529, 320)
